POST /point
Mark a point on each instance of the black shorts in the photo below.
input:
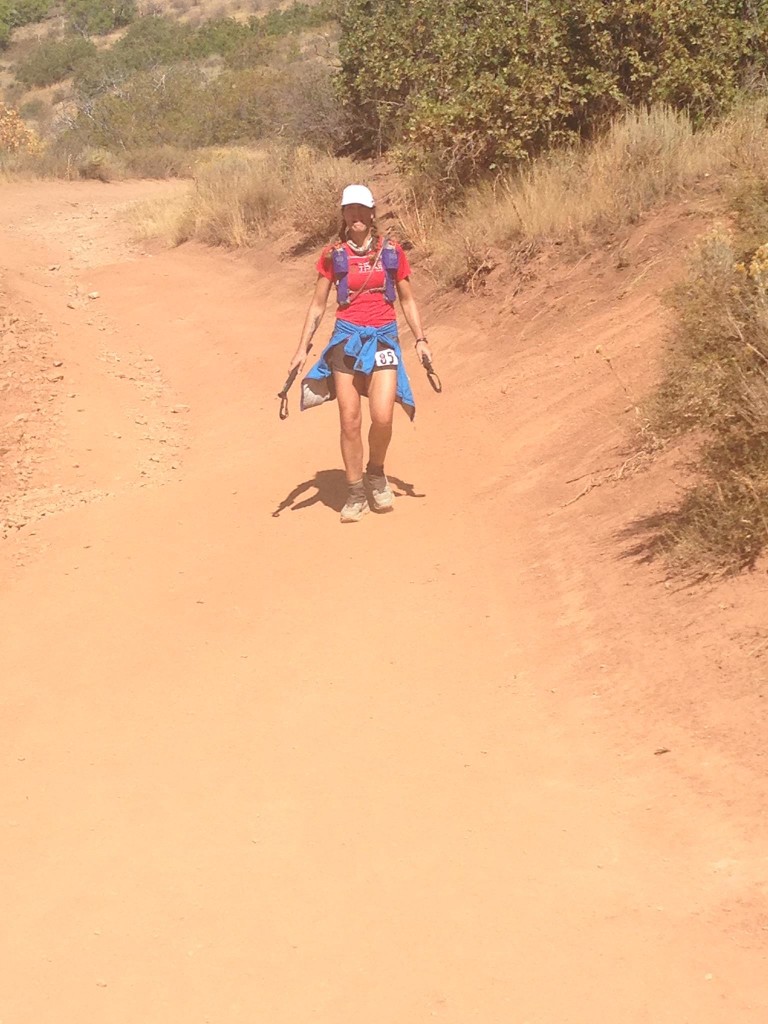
(340, 362)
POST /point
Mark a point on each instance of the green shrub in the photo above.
(97, 17)
(160, 107)
(299, 17)
(220, 36)
(182, 106)
(15, 13)
(466, 85)
(152, 41)
(54, 60)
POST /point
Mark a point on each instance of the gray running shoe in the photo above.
(355, 508)
(382, 497)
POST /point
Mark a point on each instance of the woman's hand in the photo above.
(298, 361)
(423, 349)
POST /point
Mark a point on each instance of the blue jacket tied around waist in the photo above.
(361, 343)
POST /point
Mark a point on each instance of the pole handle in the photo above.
(432, 375)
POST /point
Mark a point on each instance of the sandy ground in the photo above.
(475, 761)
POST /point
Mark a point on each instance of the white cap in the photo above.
(358, 194)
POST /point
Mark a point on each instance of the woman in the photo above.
(363, 356)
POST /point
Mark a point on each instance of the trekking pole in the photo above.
(283, 393)
(432, 376)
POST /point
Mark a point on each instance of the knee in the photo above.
(351, 425)
(381, 423)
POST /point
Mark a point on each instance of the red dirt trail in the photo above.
(260, 767)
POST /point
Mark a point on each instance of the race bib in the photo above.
(386, 357)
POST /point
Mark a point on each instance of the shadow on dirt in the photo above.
(330, 489)
(646, 536)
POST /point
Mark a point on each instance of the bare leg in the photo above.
(381, 403)
(351, 421)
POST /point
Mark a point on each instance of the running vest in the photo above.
(340, 264)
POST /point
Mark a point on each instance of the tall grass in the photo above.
(590, 190)
(243, 196)
(715, 384)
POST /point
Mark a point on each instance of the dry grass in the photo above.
(235, 199)
(715, 386)
(586, 192)
(97, 163)
(46, 164)
(244, 195)
(159, 220)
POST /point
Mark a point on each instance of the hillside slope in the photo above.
(472, 761)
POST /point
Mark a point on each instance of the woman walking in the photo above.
(363, 356)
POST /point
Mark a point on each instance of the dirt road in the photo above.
(258, 767)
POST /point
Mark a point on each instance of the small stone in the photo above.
(56, 379)
(180, 408)
(93, 295)
(71, 305)
(58, 362)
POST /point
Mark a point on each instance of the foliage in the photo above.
(15, 13)
(14, 134)
(53, 60)
(466, 85)
(181, 106)
(299, 17)
(97, 17)
(715, 384)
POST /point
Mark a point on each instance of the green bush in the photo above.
(14, 13)
(466, 85)
(146, 108)
(181, 106)
(97, 17)
(53, 60)
(299, 17)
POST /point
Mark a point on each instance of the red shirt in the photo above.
(368, 308)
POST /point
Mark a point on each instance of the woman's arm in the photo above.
(312, 321)
(411, 314)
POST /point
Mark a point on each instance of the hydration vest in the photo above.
(340, 264)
